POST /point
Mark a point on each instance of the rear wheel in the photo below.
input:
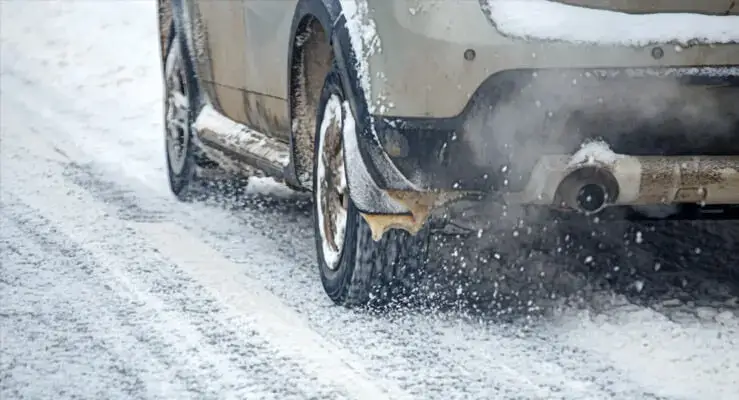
(354, 269)
(187, 166)
(500, 269)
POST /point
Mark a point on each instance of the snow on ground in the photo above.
(630, 337)
(112, 289)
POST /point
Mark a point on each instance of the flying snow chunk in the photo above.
(549, 20)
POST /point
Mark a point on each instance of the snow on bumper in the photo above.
(549, 20)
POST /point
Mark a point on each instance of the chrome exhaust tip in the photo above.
(636, 181)
(588, 189)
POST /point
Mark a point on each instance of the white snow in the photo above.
(549, 20)
(238, 135)
(265, 186)
(364, 40)
(285, 327)
(659, 353)
(592, 152)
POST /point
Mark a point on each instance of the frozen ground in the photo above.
(111, 289)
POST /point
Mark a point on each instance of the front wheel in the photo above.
(354, 269)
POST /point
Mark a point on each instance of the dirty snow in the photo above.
(549, 20)
(112, 289)
(237, 135)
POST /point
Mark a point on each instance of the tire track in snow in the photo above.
(78, 214)
(53, 310)
(285, 328)
(411, 347)
(395, 350)
(211, 352)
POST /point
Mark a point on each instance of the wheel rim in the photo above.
(332, 198)
(177, 110)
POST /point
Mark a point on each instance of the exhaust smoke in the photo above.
(596, 115)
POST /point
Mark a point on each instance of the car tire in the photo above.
(355, 270)
(191, 174)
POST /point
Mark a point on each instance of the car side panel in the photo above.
(268, 24)
(223, 25)
(267, 41)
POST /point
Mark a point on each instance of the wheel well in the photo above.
(311, 61)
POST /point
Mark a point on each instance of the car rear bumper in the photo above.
(433, 120)
(431, 56)
(672, 134)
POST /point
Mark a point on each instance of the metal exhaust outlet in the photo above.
(591, 198)
(588, 189)
(626, 180)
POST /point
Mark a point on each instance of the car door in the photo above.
(267, 41)
(223, 25)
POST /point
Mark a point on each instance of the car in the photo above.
(404, 117)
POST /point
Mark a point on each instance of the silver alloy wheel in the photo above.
(332, 198)
(177, 112)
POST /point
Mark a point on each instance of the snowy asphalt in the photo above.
(109, 288)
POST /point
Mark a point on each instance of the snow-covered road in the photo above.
(109, 288)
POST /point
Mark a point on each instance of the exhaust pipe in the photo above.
(588, 189)
(627, 180)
